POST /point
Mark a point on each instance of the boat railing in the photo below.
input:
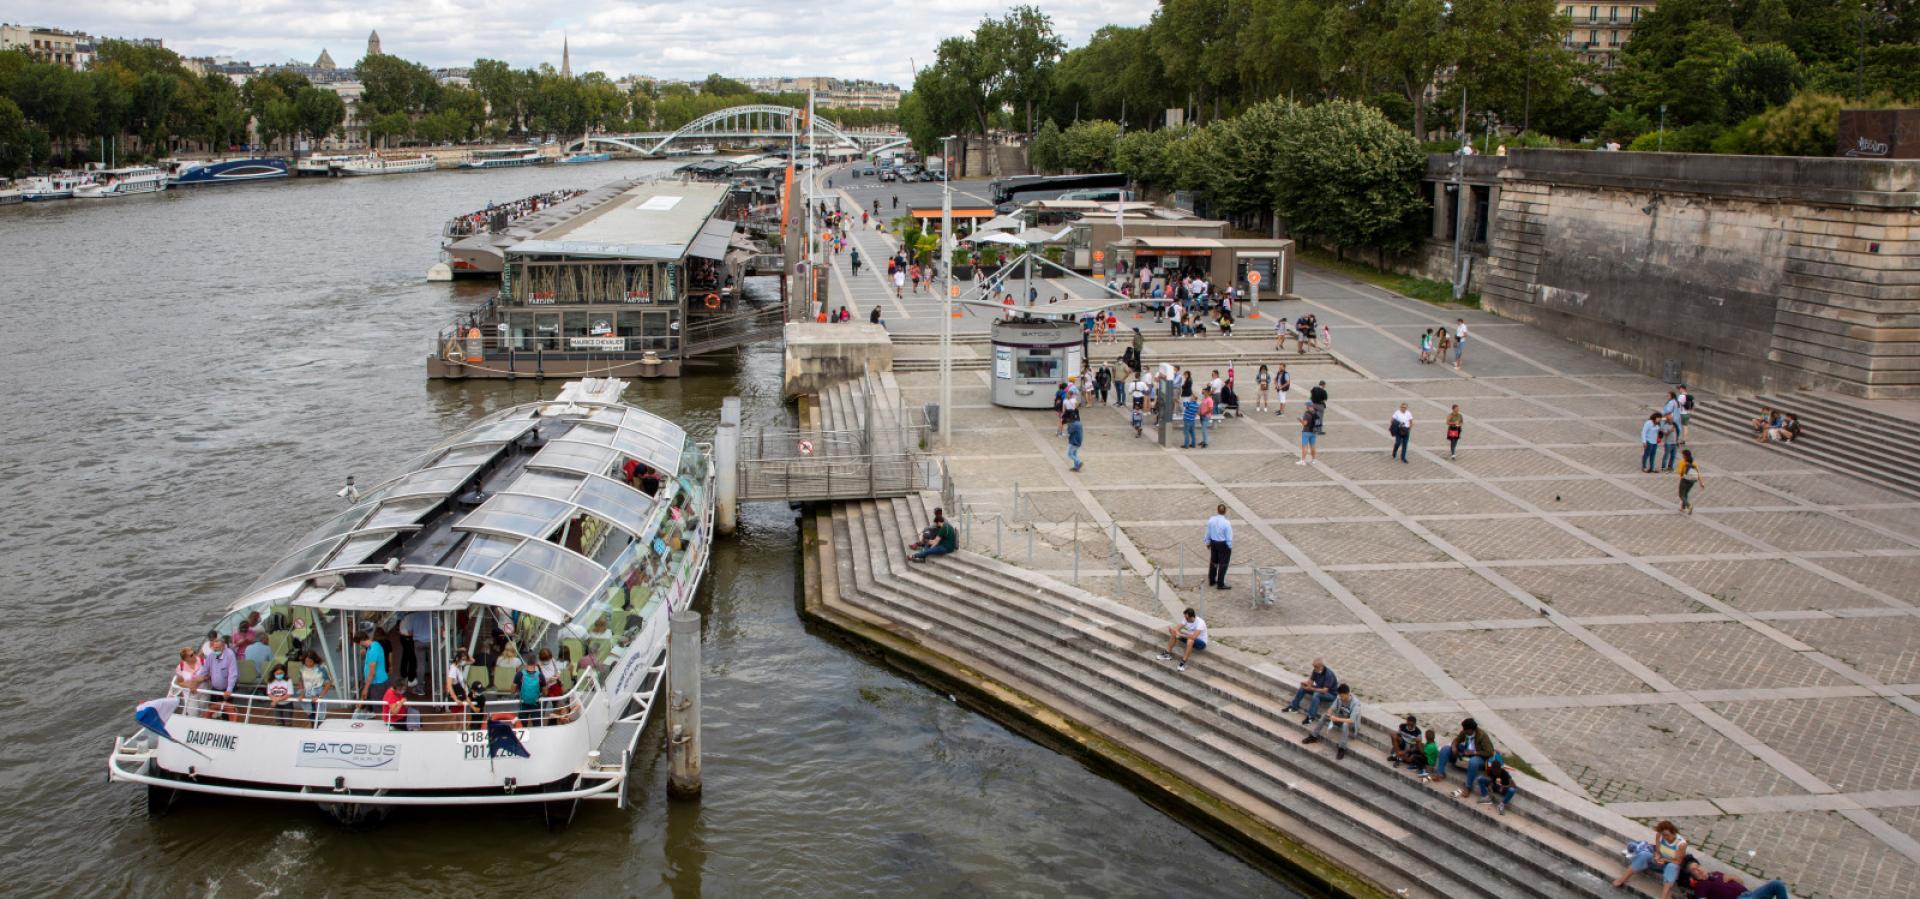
(254, 707)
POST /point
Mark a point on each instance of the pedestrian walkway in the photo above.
(1749, 672)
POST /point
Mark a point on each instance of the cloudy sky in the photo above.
(741, 38)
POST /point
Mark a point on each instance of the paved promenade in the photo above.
(1750, 672)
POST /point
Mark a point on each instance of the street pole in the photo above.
(1460, 197)
(946, 303)
(1660, 143)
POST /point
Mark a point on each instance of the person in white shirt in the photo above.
(1402, 431)
(1459, 341)
(1192, 632)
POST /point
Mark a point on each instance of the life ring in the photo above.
(713, 301)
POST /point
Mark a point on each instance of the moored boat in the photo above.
(584, 157)
(509, 157)
(705, 150)
(230, 171)
(533, 560)
(318, 166)
(58, 186)
(10, 193)
(122, 182)
(360, 166)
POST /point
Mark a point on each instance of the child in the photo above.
(1139, 419)
(1430, 756)
(1406, 744)
(1496, 785)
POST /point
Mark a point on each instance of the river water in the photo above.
(190, 376)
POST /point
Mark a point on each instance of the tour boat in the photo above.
(318, 166)
(573, 526)
(705, 150)
(583, 157)
(122, 182)
(58, 186)
(10, 193)
(375, 165)
(504, 158)
(230, 171)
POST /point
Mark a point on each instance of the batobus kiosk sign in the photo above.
(1031, 358)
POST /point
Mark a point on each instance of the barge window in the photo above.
(485, 551)
(550, 484)
(565, 454)
(298, 562)
(400, 512)
(549, 572)
(615, 502)
(356, 550)
(433, 481)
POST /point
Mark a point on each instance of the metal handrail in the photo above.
(258, 709)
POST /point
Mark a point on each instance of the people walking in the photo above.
(1282, 382)
(1689, 479)
(1074, 438)
(1401, 427)
(1459, 341)
(1219, 547)
(1262, 381)
(1309, 435)
(1455, 421)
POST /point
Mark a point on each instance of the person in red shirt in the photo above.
(395, 711)
(1721, 886)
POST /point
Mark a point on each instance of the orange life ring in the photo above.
(713, 301)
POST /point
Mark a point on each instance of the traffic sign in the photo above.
(1099, 255)
(1253, 278)
(806, 447)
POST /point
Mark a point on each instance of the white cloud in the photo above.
(741, 38)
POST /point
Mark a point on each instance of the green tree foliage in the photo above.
(1348, 176)
(1088, 146)
(718, 85)
(1044, 154)
(15, 141)
(1145, 157)
(1761, 76)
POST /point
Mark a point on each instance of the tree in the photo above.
(15, 144)
(1414, 40)
(1026, 49)
(1145, 156)
(1088, 146)
(1044, 154)
(502, 88)
(1760, 77)
(1348, 176)
(318, 111)
(717, 85)
(1511, 60)
(396, 85)
(270, 97)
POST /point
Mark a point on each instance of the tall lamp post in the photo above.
(946, 302)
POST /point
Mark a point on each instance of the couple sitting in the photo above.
(937, 540)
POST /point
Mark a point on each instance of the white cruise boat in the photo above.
(10, 193)
(122, 182)
(360, 166)
(705, 150)
(506, 158)
(572, 527)
(318, 166)
(58, 186)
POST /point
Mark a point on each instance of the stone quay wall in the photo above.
(1755, 273)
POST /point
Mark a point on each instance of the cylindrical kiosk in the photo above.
(1031, 358)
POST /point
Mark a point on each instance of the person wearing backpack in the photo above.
(1686, 411)
(1401, 428)
(1309, 435)
(1689, 479)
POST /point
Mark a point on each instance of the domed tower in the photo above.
(373, 43)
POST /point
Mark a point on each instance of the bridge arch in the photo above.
(752, 120)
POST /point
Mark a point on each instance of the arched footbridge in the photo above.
(746, 123)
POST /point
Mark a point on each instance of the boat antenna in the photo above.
(350, 492)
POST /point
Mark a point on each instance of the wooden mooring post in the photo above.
(683, 705)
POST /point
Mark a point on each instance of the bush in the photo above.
(1691, 139)
(1348, 176)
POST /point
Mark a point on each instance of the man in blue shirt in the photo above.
(1189, 416)
(1074, 438)
(1319, 685)
(1649, 441)
(1219, 547)
(373, 671)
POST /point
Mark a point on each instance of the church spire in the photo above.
(373, 43)
(566, 61)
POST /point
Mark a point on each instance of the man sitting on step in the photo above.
(1192, 632)
(938, 540)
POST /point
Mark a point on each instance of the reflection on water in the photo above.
(189, 378)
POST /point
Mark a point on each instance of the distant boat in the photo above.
(584, 157)
(705, 150)
(375, 165)
(318, 166)
(510, 157)
(10, 194)
(123, 182)
(229, 171)
(58, 186)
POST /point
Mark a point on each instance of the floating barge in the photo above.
(628, 280)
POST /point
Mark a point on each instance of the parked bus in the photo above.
(1009, 193)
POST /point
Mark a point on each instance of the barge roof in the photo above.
(653, 220)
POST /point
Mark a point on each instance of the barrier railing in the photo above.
(252, 707)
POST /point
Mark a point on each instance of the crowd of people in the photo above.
(505, 213)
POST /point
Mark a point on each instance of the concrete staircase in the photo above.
(1217, 727)
(1839, 435)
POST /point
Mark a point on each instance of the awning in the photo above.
(712, 242)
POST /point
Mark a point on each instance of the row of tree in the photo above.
(1339, 172)
(1713, 63)
(140, 102)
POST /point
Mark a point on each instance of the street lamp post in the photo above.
(946, 303)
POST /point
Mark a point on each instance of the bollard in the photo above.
(683, 705)
(997, 548)
(726, 476)
(1116, 571)
(1029, 546)
(1016, 498)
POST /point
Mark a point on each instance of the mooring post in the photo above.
(1076, 550)
(683, 705)
(997, 549)
(1029, 544)
(726, 476)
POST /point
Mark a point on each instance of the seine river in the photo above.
(189, 378)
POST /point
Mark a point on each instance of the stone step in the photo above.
(1878, 464)
(1196, 762)
(1236, 688)
(1811, 406)
(1253, 733)
(1153, 690)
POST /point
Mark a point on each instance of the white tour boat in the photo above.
(317, 165)
(376, 165)
(122, 182)
(569, 528)
(58, 186)
(506, 158)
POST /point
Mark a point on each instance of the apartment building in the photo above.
(1598, 31)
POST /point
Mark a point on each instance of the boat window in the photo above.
(356, 550)
(515, 513)
(596, 434)
(342, 522)
(550, 572)
(653, 426)
(572, 456)
(594, 537)
(433, 481)
(400, 512)
(615, 501)
(553, 484)
(297, 563)
(610, 415)
(642, 446)
(485, 551)
(470, 454)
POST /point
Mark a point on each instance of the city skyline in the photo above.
(652, 39)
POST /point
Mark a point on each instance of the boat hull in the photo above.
(392, 168)
(234, 171)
